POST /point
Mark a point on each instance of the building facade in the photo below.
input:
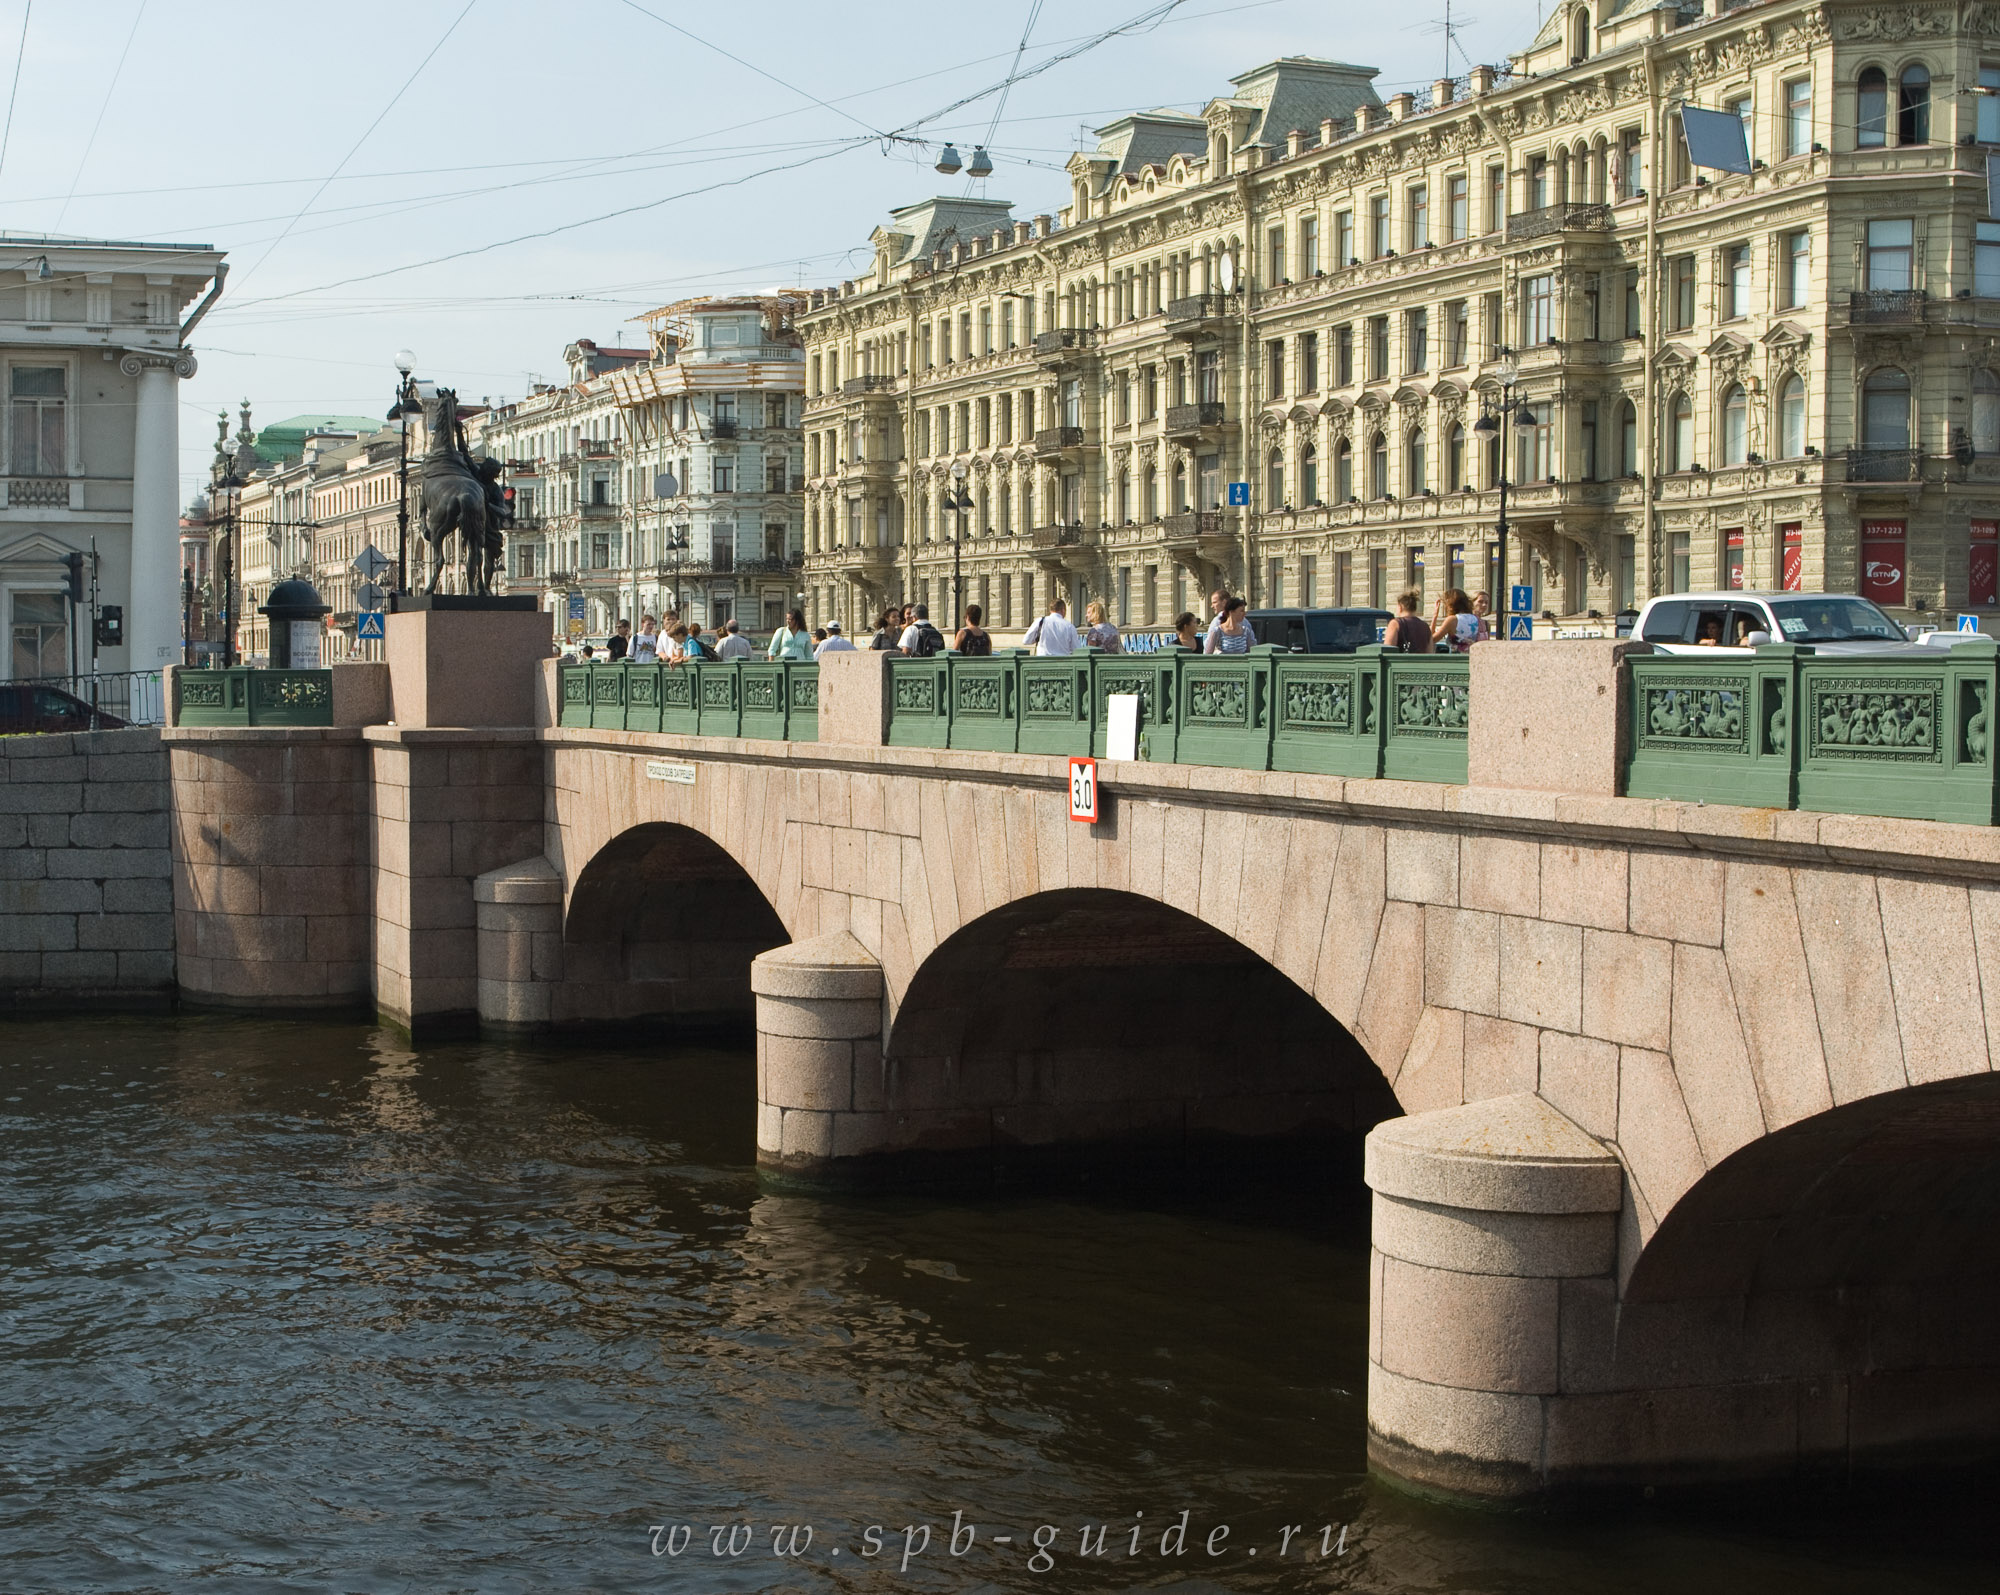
(666, 478)
(1688, 377)
(91, 337)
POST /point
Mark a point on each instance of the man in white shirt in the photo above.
(1052, 636)
(835, 642)
(734, 644)
(911, 643)
(646, 646)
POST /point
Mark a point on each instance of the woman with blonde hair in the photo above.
(1460, 627)
(1101, 633)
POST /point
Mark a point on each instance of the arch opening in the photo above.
(1085, 1028)
(663, 924)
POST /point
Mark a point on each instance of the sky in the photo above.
(584, 160)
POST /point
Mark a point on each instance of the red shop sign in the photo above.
(1983, 587)
(1882, 561)
(1794, 574)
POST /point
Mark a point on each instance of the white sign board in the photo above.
(679, 774)
(1121, 725)
(1083, 790)
(305, 645)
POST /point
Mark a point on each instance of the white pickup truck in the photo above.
(1833, 623)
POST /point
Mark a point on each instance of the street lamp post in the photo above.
(1491, 424)
(677, 544)
(405, 406)
(959, 501)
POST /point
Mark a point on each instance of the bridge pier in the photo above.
(819, 1056)
(518, 911)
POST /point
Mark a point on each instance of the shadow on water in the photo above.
(298, 1307)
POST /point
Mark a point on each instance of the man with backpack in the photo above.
(921, 639)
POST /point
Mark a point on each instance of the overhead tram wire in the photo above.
(110, 89)
(20, 54)
(1000, 104)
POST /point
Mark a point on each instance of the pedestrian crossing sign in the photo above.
(369, 627)
(1520, 628)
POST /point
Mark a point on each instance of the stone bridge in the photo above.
(1683, 1116)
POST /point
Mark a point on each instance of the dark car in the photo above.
(28, 706)
(1319, 631)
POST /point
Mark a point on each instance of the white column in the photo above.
(153, 607)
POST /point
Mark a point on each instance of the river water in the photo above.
(294, 1307)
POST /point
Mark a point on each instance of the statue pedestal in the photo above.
(464, 661)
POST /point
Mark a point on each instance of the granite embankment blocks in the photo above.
(86, 895)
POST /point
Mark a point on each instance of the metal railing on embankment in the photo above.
(1366, 714)
(85, 702)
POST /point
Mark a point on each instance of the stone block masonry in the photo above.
(86, 890)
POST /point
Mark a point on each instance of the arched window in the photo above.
(1885, 410)
(1985, 412)
(1179, 488)
(1871, 109)
(1680, 450)
(1454, 459)
(1417, 478)
(1735, 427)
(1792, 418)
(1579, 35)
(1913, 106)
(1628, 439)
(1274, 480)
(1378, 466)
(1309, 475)
(1343, 471)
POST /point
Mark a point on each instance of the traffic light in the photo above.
(73, 566)
(111, 626)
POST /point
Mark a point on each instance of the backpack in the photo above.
(929, 640)
(978, 644)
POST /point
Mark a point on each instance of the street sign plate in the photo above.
(1968, 623)
(1239, 495)
(371, 563)
(1520, 628)
(1521, 599)
(576, 615)
(369, 596)
(1083, 790)
(369, 627)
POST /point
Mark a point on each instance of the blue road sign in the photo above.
(1239, 495)
(1968, 623)
(1520, 628)
(1521, 599)
(369, 627)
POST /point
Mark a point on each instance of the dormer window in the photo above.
(1579, 35)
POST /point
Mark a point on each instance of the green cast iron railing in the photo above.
(768, 700)
(243, 696)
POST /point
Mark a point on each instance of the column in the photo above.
(820, 1098)
(153, 606)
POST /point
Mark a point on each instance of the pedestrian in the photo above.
(620, 642)
(1482, 609)
(1218, 602)
(920, 638)
(1187, 632)
(646, 646)
(1459, 629)
(1408, 631)
(835, 642)
(887, 630)
(734, 644)
(1102, 635)
(819, 636)
(674, 647)
(697, 648)
(1052, 636)
(1231, 632)
(973, 640)
(588, 653)
(791, 640)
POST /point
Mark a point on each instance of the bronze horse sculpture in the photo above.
(462, 495)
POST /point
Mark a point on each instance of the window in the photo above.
(1538, 309)
(1275, 239)
(1416, 475)
(1418, 224)
(1985, 412)
(1587, 452)
(1496, 198)
(1007, 323)
(1680, 446)
(1986, 260)
(1309, 475)
(1378, 348)
(1308, 246)
(1680, 298)
(1535, 434)
(1871, 109)
(1378, 466)
(723, 475)
(1457, 333)
(1891, 255)
(1628, 439)
(1308, 362)
(1988, 102)
(1343, 356)
(1795, 262)
(1378, 227)
(1736, 281)
(1454, 459)
(1792, 418)
(1735, 427)
(1680, 564)
(1885, 410)
(1343, 580)
(1457, 207)
(1343, 471)
(37, 399)
(1343, 237)
(1798, 116)
(1629, 160)
(1274, 479)
(1416, 340)
(1496, 334)
(41, 635)
(1913, 106)
(1308, 582)
(1378, 578)
(1274, 368)
(1208, 377)
(985, 329)
(1538, 181)
(1739, 107)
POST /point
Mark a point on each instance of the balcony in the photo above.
(1886, 307)
(1194, 527)
(1885, 465)
(1068, 534)
(526, 522)
(1190, 420)
(768, 566)
(1062, 346)
(1197, 314)
(1549, 220)
(855, 387)
(724, 430)
(38, 493)
(1053, 440)
(593, 510)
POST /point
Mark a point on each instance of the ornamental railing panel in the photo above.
(244, 696)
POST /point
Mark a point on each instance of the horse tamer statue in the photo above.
(460, 494)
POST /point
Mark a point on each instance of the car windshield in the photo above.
(1342, 632)
(1828, 619)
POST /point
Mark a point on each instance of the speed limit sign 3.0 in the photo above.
(1083, 790)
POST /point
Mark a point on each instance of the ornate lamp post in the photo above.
(958, 500)
(406, 405)
(1493, 424)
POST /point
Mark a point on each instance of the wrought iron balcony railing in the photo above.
(1058, 339)
(1185, 418)
(1547, 220)
(1886, 306)
(1197, 307)
(1053, 440)
(1070, 534)
(1885, 465)
(1195, 525)
(867, 384)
